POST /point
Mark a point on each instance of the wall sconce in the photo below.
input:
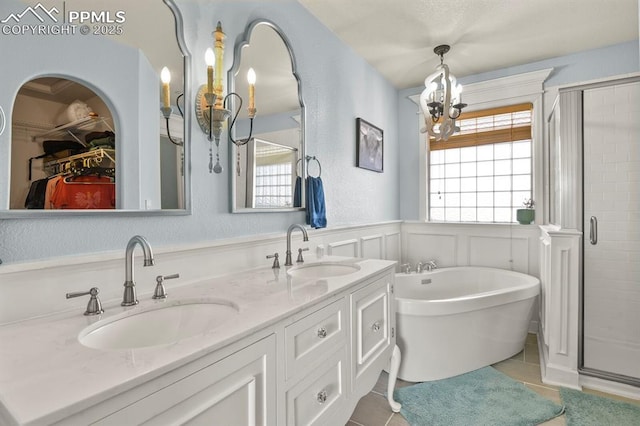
(211, 111)
(165, 77)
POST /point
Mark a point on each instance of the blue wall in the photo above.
(337, 85)
(575, 68)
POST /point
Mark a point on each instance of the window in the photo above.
(274, 176)
(484, 172)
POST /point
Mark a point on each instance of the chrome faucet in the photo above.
(288, 261)
(129, 298)
(431, 265)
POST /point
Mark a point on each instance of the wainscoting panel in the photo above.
(393, 246)
(442, 248)
(344, 248)
(512, 247)
(372, 247)
(558, 345)
(499, 252)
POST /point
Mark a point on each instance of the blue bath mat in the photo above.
(482, 397)
(584, 409)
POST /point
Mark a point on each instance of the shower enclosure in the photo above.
(590, 251)
(611, 232)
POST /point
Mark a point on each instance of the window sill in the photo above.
(432, 222)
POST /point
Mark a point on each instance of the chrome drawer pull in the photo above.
(375, 327)
(322, 332)
(321, 397)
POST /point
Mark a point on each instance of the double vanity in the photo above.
(290, 346)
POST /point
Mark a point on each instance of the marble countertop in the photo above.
(47, 375)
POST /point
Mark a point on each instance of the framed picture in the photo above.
(370, 144)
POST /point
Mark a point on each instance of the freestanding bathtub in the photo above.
(454, 320)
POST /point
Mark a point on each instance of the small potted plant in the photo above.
(528, 214)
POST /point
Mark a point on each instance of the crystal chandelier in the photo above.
(441, 100)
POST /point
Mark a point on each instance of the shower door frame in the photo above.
(601, 374)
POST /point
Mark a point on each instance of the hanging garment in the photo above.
(316, 209)
(51, 187)
(84, 192)
(35, 197)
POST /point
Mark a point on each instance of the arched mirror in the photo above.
(87, 105)
(267, 172)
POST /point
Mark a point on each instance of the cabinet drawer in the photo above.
(320, 395)
(371, 321)
(308, 339)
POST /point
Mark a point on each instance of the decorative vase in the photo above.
(525, 216)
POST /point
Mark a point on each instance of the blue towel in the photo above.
(297, 193)
(316, 211)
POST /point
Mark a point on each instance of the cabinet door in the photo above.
(320, 395)
(237, 390)
(371, 315)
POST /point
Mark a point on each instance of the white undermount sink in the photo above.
(323, 270)
(162, 325)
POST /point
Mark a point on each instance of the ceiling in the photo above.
(397, 37)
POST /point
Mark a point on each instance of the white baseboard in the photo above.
(615, 388)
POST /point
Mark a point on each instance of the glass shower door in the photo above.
(611, 242)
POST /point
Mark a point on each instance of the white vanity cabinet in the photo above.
(237, 390)
(315, 365)
(373, 332)
(335, 355)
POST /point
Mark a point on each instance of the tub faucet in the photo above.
(431, 265)
(288, 261)
(129, 298)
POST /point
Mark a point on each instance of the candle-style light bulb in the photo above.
(251, 79)
(459, 93)
(251, 76)
(210, 60)
(165, 77)
(218, 47)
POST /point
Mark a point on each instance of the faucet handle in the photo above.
(94, 307)
(300, 250)
(276, 262)
(406, 268)
(160, 292)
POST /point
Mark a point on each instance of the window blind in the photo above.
(495, 125)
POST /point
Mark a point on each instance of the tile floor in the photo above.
(373, 410)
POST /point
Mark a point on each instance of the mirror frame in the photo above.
(42, 214)
(231, 76)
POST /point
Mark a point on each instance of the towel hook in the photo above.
(309, 158)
